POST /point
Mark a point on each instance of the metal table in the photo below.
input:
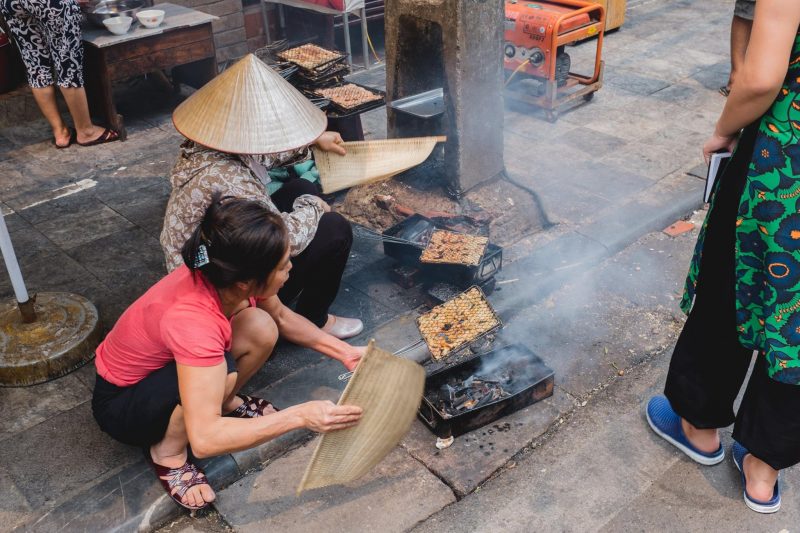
(184, 38)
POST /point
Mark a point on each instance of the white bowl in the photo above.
(118, 25)
(150, 18)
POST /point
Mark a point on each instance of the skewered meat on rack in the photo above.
(348, 96)
(457, 322)
(454, 248)
(309, 56)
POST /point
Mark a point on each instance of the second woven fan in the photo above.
(370, 161)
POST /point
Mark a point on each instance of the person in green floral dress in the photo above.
(743, 289)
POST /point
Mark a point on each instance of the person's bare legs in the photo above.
(740, 37)
(78, 107)
(705, 440)
(254, 337)
(171, 452)
(46, 100)
(760, 478)
(759, 475)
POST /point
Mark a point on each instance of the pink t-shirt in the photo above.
(178, 319)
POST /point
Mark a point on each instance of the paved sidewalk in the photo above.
(87, 221)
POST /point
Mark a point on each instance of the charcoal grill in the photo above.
(531, 380)
(417, 230)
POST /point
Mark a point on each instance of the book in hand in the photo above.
(716, 166)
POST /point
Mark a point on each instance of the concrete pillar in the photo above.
(456, 45)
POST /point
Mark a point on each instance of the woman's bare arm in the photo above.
(299, 330)
(202, 390)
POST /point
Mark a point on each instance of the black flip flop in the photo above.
(73, 137)
(107, 136)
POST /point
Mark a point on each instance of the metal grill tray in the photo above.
(417, 229)
(317, 67)
(466, 342)
(537, 386)
(337, 112)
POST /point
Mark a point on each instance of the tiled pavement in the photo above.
(87, 221)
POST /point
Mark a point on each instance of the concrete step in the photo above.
(396, 495)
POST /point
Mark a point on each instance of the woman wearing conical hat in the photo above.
(239, 126)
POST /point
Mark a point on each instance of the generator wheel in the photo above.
(588, 97)
(551, 115)
(563, 64)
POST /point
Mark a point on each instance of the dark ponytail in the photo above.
(243, 241)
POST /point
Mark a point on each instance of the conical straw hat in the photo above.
(249, 109)
(389, 390)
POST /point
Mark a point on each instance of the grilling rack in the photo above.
(441, 233)
(468, 341)
(421, 241)
(467, 350)
(318, 67)
(341, 112)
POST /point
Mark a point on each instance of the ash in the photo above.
(456, 396)
(495, 376)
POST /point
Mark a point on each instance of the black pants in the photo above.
(709, 365)
(48, 35)
(317, 272)
(139, 414)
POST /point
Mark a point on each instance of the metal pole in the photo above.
(346, 21)
(364, 36)
(20, 292)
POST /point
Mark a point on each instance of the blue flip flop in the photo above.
(667, 424)
(738, 452)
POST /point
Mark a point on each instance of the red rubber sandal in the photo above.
(251, 408)
(107, 136)
(172, 479)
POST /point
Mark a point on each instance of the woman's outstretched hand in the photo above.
(325, 416)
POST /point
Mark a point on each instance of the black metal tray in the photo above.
(418, 229)
(369, 106)
(535, 385)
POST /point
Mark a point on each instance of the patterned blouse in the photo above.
(768, 237)
(200, 171)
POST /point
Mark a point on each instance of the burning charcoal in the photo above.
(469, 404)
(483, 401)
(448, 392)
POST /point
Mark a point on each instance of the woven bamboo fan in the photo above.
(389, 390)
(370, 161)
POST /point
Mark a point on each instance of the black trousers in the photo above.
(317, 272)
(709, 365)
(139, 414)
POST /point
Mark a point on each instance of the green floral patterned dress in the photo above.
(768, 238)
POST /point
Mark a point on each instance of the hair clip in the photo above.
(201, 259)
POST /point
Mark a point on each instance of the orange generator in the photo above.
(536, 35)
